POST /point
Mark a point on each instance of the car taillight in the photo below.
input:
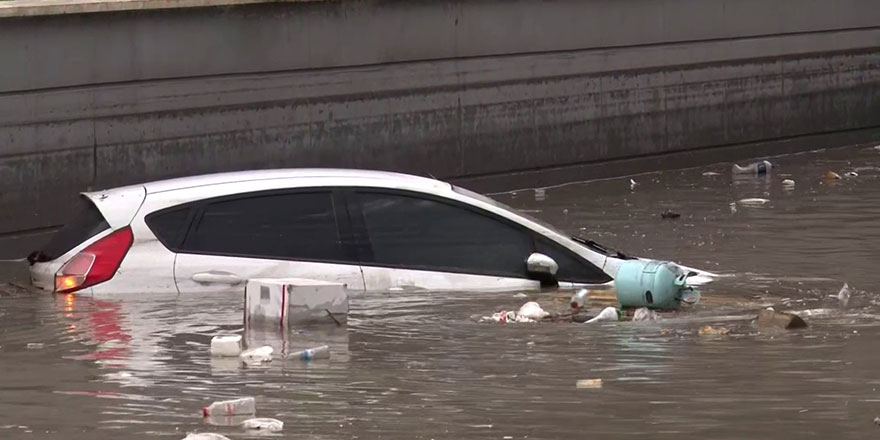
(95, 264)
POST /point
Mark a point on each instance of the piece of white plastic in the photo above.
(226, 346)
(645, 314)
(264, 424)
(532, 310)
(256, 356)
(788, 182)
(588, 384)
(843, 295)
(607, 314)
(206, 436)
(241, 406)
(753, 201)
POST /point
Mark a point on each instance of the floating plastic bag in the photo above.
(532, 310)
(264, 424)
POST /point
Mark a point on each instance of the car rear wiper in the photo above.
(602, 249)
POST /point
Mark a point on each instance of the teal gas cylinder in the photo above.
(653, 284)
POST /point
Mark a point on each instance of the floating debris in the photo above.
(226, 346)
(633, 184)
(244, 405)
(263, 424)
(843, 295)
(607, 314)
(532, 310)
(708, 330)
(588, 384)
(669, 215)
(757, 168)
(711, 173)
(770, 318)
(831, 175)
(206, 436)
(753, 201)
(35, 345)
(645, 314)
(256, 356)
(851, 174)
(788, 183)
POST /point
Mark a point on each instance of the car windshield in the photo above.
(497, 204)
(581, 241)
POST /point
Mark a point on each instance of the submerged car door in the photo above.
(276, 234)
(414, 241)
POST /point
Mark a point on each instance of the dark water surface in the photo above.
(414, 366)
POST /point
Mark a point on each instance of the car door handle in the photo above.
(217, 277)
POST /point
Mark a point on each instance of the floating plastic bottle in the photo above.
(242, 406)
(580, 298)
(757, 168)
(322, 352)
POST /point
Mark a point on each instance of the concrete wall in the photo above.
(455, 88)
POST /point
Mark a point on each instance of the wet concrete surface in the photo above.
(414, 365)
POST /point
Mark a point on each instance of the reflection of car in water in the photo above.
(370, 230)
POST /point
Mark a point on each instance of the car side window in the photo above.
(296, 226)
(170, 225)
(571, 267)
(418, 233)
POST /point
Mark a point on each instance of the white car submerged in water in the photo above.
(370, 230)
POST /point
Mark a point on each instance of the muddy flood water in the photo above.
(415, 366)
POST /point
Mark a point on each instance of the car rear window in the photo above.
(85, 224)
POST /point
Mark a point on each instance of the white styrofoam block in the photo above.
(282, 300)
(226, 345)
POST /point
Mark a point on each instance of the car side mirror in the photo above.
(543, 269)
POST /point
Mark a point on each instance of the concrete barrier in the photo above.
(97, 94)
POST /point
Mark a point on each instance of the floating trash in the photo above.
(532, 310)
(244, 405)
(226, 346)
(607, 314)
(788, 182)
(753, 202)
(256, 356)
(831, 175)
(645, 314)
(851, 174)
(708, 330)
(321, 352)
(843, 295)
(669, 215)
(757, 168)
(588, 384)
(770, 318)
(264, 424)
(633, 184)
(711, 174)
(206, 436)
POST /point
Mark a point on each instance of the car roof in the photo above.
(345, 176)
